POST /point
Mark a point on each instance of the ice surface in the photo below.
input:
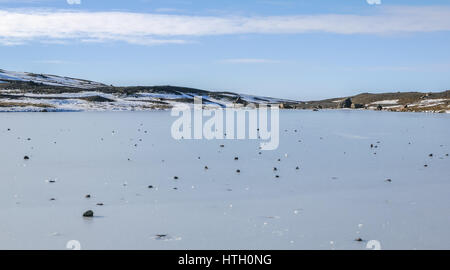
(338, 194)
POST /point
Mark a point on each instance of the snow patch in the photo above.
(386, 102)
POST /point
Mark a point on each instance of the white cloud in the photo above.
(74, 2)
(23, 1)
(374, 2)
(17, 26)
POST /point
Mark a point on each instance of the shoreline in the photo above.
(56, 110)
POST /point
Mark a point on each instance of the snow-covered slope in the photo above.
(51, 93)
(56, 93)
(48, 79)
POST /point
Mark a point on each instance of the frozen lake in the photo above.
(339, 193)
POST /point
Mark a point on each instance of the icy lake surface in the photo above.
(339, 193)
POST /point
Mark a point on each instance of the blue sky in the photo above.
(293, 49)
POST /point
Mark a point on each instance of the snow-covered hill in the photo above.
(56, 93)
(22, 91)
(47, 79)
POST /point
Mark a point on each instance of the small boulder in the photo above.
(357, 106)
(88, 213)
(347, 103)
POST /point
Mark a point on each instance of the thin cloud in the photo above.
(374, 2)
(24, 1)
(52, 62)
(168, 10)
(249, 61)
(74, 2)
(18, 27)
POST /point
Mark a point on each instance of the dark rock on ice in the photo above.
(88, 213)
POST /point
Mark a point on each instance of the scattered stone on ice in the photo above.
(88, 213)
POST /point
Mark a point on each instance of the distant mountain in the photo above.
(23, 91)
